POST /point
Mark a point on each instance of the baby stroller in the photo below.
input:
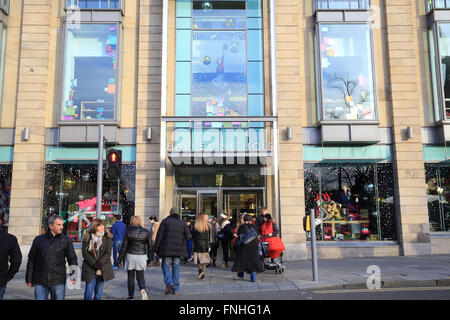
(272, 254)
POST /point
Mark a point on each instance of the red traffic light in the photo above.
(113, 157)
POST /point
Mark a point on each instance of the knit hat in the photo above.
(224, 216)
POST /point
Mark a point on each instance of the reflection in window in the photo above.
(341, 4)
(5, 195)
(438, 196)
(71, 192)
(347, 73)
(218, 15)
(90, 72)
(2, 63)
(444, 50)
(353, 202)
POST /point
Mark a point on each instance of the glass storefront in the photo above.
(90, 72)
(346, 67)
(214, 190)
(70, 190)
(352, 201)
(438, 196)
(5, 194)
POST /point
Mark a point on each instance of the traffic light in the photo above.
(113, 164)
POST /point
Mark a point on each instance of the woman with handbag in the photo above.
(136, 250)
(247, 255)
(202, 236)
(97, 267)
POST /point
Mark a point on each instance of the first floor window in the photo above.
(438, 196)
(90, 72)
(346, 72)
(351, 202)
(70, 191)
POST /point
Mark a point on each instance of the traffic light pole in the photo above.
(100, 171)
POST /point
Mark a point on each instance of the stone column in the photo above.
(409, 172)
(148, 108)
(28, 165)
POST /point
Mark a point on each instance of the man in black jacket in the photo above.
(9, 251)
(170, 245)
(46, 268)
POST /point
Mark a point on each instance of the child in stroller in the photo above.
(271, 246)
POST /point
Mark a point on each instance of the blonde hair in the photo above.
(201, 223)
(136, 221)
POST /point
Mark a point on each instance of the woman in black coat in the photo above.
(97, 267)
(202, 237)
(247, 255)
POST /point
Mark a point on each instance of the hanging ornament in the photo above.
(68, 183)
(207, 6)
(206, 60)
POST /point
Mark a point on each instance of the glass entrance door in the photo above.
(207, 202)
(240, 202)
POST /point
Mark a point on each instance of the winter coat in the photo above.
(136, 241)
(247, 255)
(47, 259)
(9, 251)
(103, 257)
(202, 240)
(172, 238)
(226, 232)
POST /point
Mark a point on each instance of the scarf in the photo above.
(96, 241)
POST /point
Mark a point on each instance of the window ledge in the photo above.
(440, 234)
(355, 244)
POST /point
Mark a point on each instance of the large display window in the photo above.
(70, 190)
(90, 72)
(438, 196)
(347, 90)
(5, 194)
(351, 201)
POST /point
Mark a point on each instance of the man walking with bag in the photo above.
(46, 268)
(170, 245)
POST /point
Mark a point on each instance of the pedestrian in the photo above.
(97, 268)
(154, 226)
(46, 267)
(189, 245)
(225, 236)
(268, 228)
(214, 242)
(260, 219)
(119, 229)
(171, 241)
(247, 255)
(135, 251)
(235, 241)
(9, 251)
(202, 237)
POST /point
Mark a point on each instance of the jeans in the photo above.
(116, 249)
(57, 292)
(225, 250)
(174, 277)
(94, 287)
(140, 280)
(252, 275)
(2, 291)
(189, 248)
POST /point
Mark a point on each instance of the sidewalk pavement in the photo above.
(344, 273)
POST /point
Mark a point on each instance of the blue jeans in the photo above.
(116, 249)
(2, 292)
(252, 275)
(57, 292)
(94, 287)
(174, 277)
(189, 248)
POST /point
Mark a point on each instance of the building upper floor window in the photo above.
(94, 4)
(90, 72)
(437, 4)
(346, 76)
(341, 4)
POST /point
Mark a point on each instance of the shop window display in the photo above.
(5, 195)
(347, 90)
(438, 196)
(351, 202)
(70, 191)
(90, 72)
